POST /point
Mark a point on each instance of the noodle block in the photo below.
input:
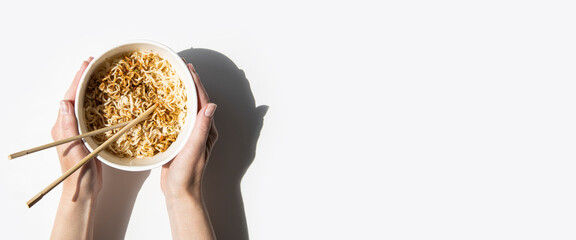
(123, 88)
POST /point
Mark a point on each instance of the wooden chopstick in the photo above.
(78, 165)
(56, 143)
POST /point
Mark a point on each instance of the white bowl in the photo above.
(179, 66)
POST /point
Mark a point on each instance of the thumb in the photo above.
(202, 126)
(66, 125)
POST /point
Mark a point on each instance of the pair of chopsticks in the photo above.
(126, 126)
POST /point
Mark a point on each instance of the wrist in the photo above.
(178, 191)
(75, 216)
(77, 204)
(183, 194)
(184, 203)
(71, 192)
(188, 217)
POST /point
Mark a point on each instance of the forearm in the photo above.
(75, 216)
(188, 217)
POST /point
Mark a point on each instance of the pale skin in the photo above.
(181, 178)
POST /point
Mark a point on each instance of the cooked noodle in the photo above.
(122, 89)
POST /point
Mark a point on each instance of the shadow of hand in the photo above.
(239, 123)
(116, 201)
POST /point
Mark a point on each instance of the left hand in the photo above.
(87, 181)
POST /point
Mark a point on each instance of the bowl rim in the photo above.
(191, 114)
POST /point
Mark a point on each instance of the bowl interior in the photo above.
(140, 164)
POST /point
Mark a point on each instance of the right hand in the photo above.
(183, 175)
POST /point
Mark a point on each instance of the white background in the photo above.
(386, 119)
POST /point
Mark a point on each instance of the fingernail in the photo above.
(90, 59)
(210, 110)
(64, 107)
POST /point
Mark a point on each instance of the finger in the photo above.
(212, 138)
(65, 127)
(66, 122)
(203, 98)
(71, 93)
(202, 94)
(201, 129)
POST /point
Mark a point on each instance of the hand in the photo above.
(75, 215)
(87, 181)
(181, 178)
(183, 175)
